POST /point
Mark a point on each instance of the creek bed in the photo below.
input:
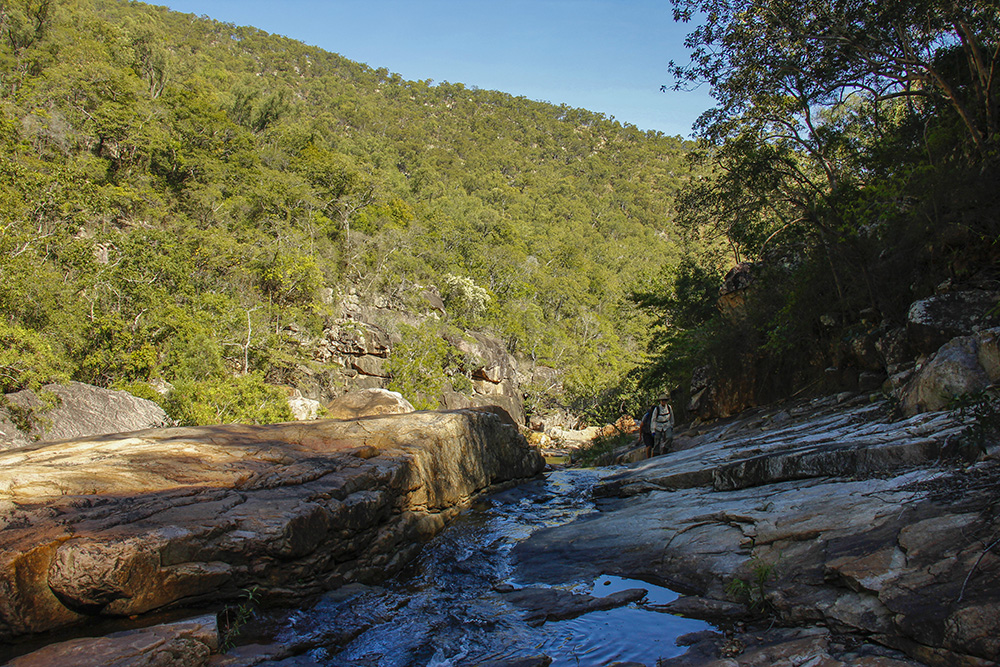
(445, 609)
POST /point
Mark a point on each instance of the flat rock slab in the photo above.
(123, 525)
(554, 604)
(182, 644)
(811, 439)
(903, 550)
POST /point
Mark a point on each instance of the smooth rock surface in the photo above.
(824, 512)
(554, 604)
(123, 525)
(368, 403)
(77, 410)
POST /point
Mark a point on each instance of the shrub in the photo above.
(418, 366)
(246, 400)
(601, 448)
(26, 360)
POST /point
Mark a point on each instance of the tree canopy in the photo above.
(852, 156)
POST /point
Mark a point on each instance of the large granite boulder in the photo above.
(368, 403)
(823, 513)
(303, 409)
(962, 366)
(128, 524)
(74, 410)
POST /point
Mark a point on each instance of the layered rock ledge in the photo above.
(127, 524)
(823, 514)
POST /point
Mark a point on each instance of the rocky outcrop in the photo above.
(355, 351)
(124, 525)
(73, 410)
(961, 366)
(782, 646)
(736, 286)
(823, 512)
(360, 348)
(872, 355)
(493, 372)
(933, 321)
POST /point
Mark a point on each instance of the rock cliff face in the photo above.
(494, 376)
(932, 322)
(355, 350)
(819, 514)
(126, 524)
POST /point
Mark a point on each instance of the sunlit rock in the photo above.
(368, 403)
(123, 525)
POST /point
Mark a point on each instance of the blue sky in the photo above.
(609, 56)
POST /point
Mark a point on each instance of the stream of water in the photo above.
(444, 611)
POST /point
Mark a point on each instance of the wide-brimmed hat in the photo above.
(664, 397)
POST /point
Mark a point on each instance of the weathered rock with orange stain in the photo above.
(126, 524)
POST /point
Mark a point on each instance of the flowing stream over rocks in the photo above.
(824, 531)
(462, 602)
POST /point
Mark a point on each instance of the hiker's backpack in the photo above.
(646, 426)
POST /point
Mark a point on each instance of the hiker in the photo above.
(646, 431)
(662, 425)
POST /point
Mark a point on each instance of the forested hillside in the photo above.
(176, 193)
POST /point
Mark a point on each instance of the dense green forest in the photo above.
(852, 163)
(176, 193)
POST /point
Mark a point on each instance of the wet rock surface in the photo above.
(459, 605)
(553, 604)
(798, 646)
(127, 524)
(820, 513)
